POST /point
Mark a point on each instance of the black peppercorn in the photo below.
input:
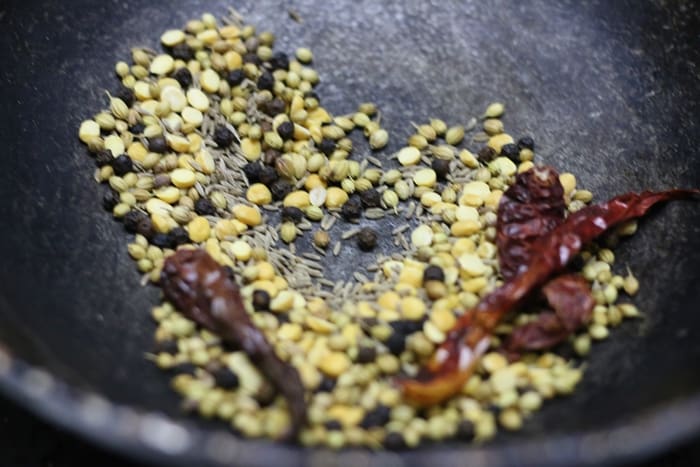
(268, 175)
(511, 151)
(292, 213)
(185, 367)
(282, 318)
(122, 165)
(367, 239)
(157, 144)
(286, 130)
(131, 220)
(327, 385)
(279, 61)
(235, 77)
(125, 94)
(274, 107)
(495, 409)
(184, 77)
(223, 137)
(327, 146)
(145, 227)
(109, 200)
(465, 430)
(366, 354)
(379, 416)
(406, 327)
(433, 273)
(333, 425)
(253, 58)
(182, 51)
(204, 207)
(225, 378)
(526, 142)
(394, 441)
(371, 198)
(252, 172)
(486, 154)
(280, 188)
(103, 158)
(266, 81)
(352, 209)
(396, 343)
(137, 128)
(161, 240)
(178, 236)
(441, 168)
(261, 300)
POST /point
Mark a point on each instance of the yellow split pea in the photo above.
(259, 194)
(198, 229)
(249, 215)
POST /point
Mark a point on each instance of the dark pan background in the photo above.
(610, 90)
(28, 442)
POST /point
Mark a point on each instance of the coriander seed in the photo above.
(321, 239)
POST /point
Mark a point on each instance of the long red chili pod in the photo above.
(455, 359)
(202, 290)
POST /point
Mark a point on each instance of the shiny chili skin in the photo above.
(572, 304)
(203, 291)
(533, 206)
(455, 359)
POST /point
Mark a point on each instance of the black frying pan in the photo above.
(609, 90)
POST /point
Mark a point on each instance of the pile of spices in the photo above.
(219, 144)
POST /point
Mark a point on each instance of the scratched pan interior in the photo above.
(609, 91)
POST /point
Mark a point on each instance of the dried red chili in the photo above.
(570, 298)
(454, 361)
(533, 206)
(204, 292)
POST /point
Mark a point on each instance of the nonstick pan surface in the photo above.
(609, 90)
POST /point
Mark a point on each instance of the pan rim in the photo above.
(131, 432)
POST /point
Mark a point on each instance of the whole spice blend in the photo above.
(240, 192)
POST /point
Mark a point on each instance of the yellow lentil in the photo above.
(465, 228)
(412, 308)
(168, 194)
(298, 199)
(496, 142)
(259, 194)
(248, 215)
(443, 319)
(334, 364)
(425, 177)
(198, 229)
(568, 181)
(241, 250)
(335, 197)
(408, 156)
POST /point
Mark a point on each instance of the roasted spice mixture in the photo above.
(219, 142)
